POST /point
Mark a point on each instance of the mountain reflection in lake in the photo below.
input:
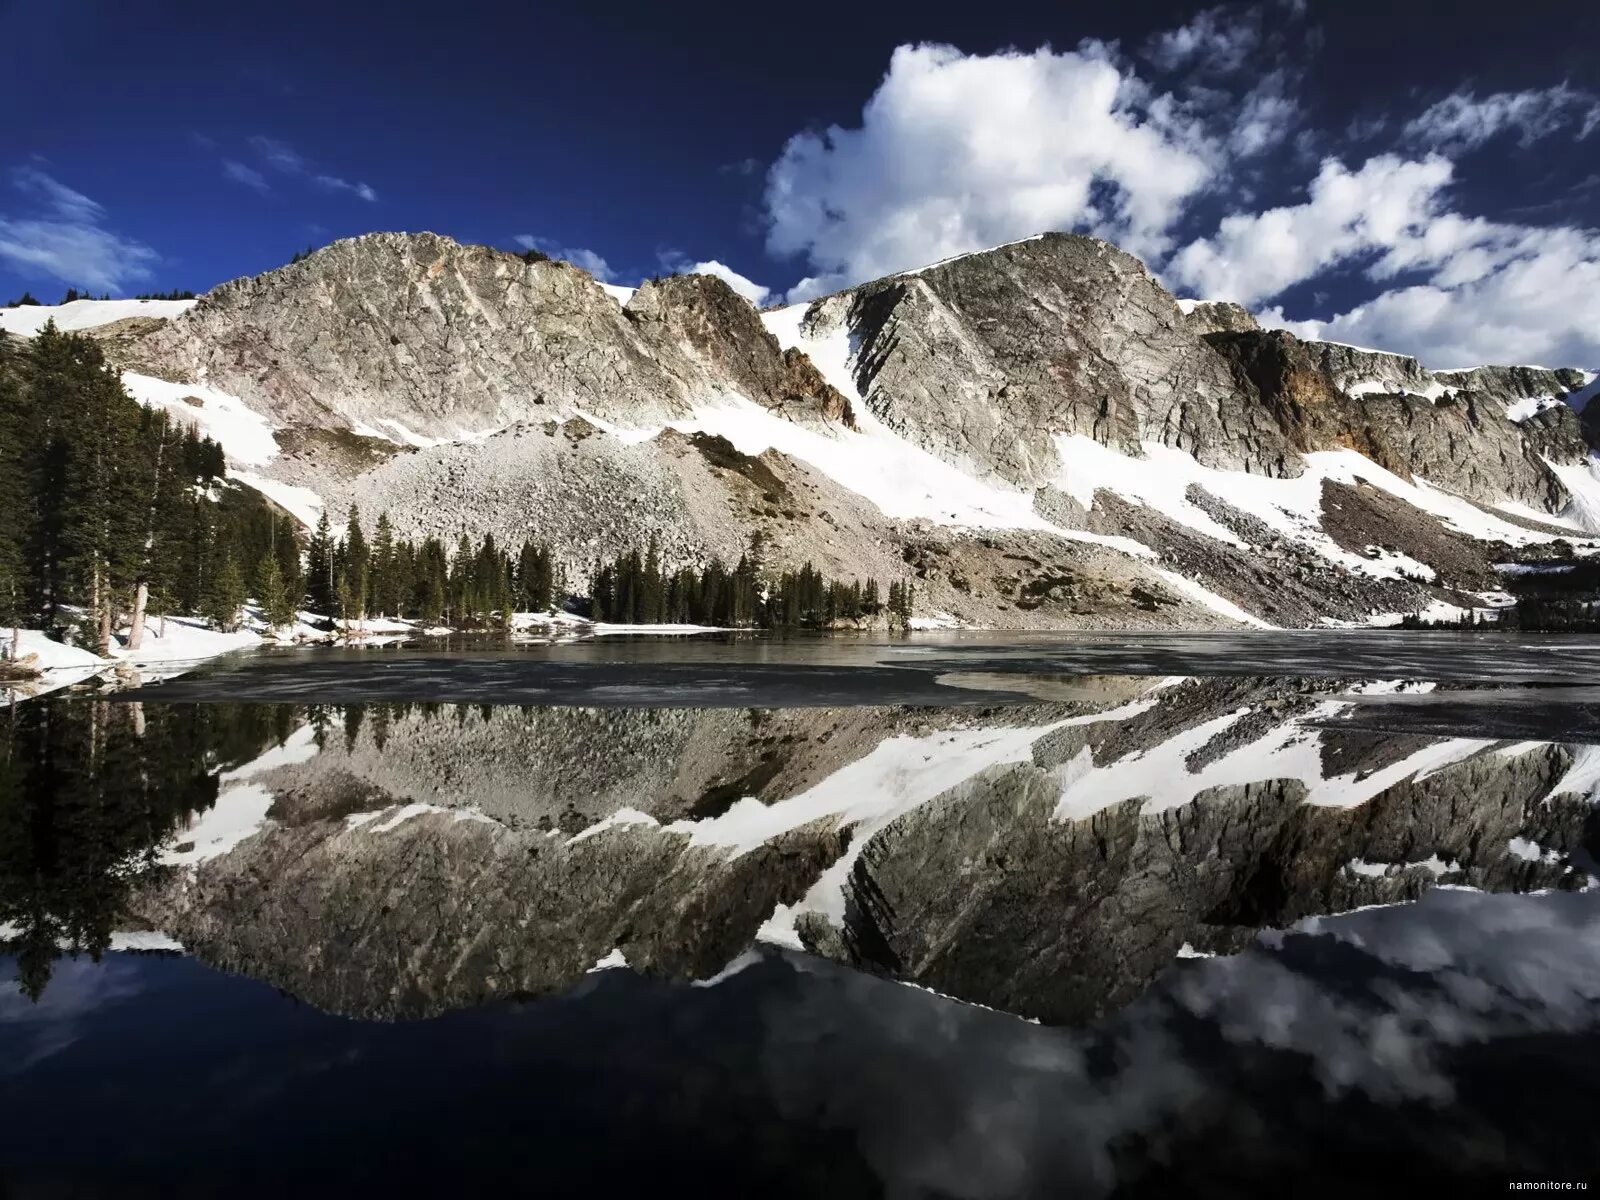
(771, 876)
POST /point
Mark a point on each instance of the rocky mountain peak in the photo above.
(721, 331)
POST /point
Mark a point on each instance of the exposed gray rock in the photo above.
(984, 359)
(1220, 316)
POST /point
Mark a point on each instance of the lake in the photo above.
(958, 916)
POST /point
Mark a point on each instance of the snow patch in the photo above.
(1579, 400)
(28, 319)
(240, 811)
(1582, 481)
(611, 962)
(1530, 851)
(245, 437)
(1161, 775)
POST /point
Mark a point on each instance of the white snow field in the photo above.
(28, 319)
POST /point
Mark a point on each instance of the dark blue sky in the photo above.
(643, 131)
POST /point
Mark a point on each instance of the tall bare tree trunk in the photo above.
(141, 601)
(141, 598)
(105, 623)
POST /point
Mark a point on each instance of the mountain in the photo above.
(1039, 435)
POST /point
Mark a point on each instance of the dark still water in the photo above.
(957, 919)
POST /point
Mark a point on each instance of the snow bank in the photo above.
(301, 503)
(28, 319)
(245, 436)
(184, 640)
(1579, 400)
(52, 656)
(1582, 481)
(239, 812)
(1388, 387)
(1521, 410)
(1291, 508)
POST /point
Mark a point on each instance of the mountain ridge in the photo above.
(1005, 426)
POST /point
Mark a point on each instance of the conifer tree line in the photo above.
(110, 512)
(634, 589)
(471, 585)
(354, 577)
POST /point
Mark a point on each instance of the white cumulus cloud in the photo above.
(956, 152)
(1390, 201)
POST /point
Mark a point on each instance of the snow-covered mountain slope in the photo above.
(1039, 435)
(28, 319)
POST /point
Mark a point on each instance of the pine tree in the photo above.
(385, 582)
(226, 595)
(272, 593)
(321, 592)
(357, 569)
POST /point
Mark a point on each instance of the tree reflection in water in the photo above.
(89, 790)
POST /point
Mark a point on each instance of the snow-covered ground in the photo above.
(29, 319)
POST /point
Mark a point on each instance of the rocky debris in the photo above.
(1283, 582)
(591, 496)
(1364, 518)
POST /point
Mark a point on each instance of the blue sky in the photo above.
(1408, 179)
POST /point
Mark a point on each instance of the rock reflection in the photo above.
(1051, 860)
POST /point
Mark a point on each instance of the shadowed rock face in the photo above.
(703, 317)
(1327, 396)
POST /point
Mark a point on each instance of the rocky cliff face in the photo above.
(984, 359)
(444, 339)
(1388, 407)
